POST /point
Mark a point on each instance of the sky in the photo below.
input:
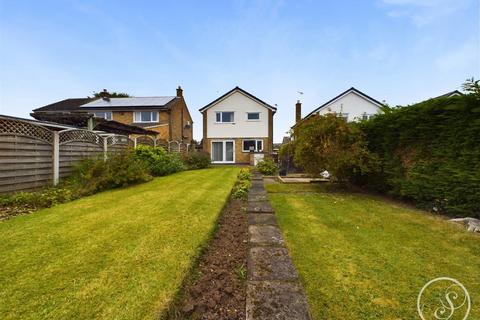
(400, 51)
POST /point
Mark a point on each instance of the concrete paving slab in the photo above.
(258, 196)
(270, 263)
(259, 206)
(268, 300)
(262, 218)
(265, 235)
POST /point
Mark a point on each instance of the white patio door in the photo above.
(223, 151)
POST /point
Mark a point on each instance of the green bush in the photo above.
(119, 170)
(25, 202)
(196, 160)
(159, 162)
(328, 142)
(430, 153)
(242, 185)
(267, 167)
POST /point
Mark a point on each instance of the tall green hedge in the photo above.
(430, 153)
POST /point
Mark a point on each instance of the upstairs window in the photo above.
(252, 145)
(253, 116)
(224, 117)
(366, 116)
(145, 116)
(343, 115)
(104, 115)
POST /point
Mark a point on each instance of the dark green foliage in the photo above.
(105, 94)
(430, 153)
(242, 185)
(26, 202)
(267, 167)
(159, 162)
(196, 160)
(121, 169)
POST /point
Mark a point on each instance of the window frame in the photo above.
(256, 145)
(221, 116)
(253, 120)
(95, 114)
(151, 117)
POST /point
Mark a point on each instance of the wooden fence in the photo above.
(33, 156)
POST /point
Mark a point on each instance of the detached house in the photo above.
(167, 115)
(351, 104)
(237, 128)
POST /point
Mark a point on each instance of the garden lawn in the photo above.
(360, 257)
(119, 254)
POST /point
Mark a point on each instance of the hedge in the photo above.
(430, 153)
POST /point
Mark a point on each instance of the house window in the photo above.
(366, 116)
(343, 115)
(224, 117)
(105, 115)
(253, 116)
(252, 145)
(145, 116)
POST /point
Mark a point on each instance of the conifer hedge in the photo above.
(430, 153)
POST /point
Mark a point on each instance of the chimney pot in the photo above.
(179, 92)
(298, 111)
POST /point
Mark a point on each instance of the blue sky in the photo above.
(401, 51)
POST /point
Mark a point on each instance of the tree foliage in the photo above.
(105, 94)
(329, 143)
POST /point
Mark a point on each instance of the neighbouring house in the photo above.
(238, 128)
(351, 104)
(454, 93)
(167, 115)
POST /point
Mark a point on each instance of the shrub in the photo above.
(159, 162)
(242, 185)
(330, 143)
(119, 170)
(196, 160)
(267, 167)
(430, 154)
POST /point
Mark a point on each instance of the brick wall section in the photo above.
(240, 156)
(179, 117)
(126, 117)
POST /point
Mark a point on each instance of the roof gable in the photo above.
(343, 94)
(240, 90)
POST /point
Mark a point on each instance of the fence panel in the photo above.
(32, 156)
(25, 163)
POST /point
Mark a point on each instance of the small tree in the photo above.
(472, 86)
(105, 94)
(330, 143)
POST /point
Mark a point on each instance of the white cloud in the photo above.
(423, 12)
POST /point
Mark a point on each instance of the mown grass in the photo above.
(360, 257)
(120, 254)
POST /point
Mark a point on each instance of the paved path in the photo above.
(273, 289)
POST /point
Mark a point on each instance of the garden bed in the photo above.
(217, 289)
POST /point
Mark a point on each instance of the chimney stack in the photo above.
(179, 92)
(298, 111)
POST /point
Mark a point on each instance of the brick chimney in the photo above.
(179, 92)
(298, 111)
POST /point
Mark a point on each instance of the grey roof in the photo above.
(129, 102)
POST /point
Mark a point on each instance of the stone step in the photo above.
(259, 206)
(279, 300)
(270, 263)
(265, 235)
(257, 184)
(262, 219)
(257, 197)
